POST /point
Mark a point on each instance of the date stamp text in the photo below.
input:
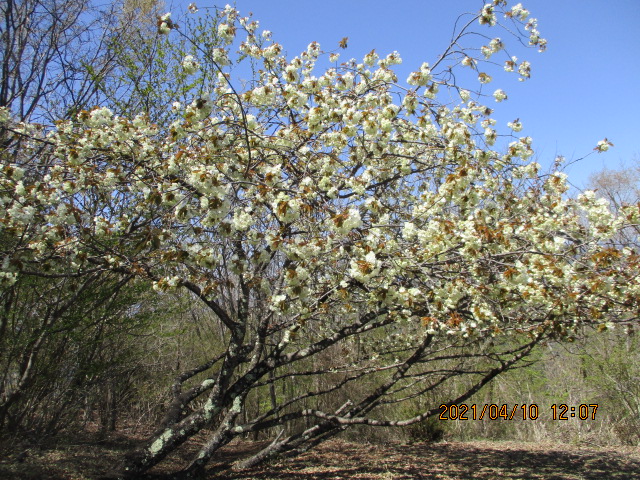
(516, 412)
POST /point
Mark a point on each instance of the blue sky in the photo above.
(583, 88)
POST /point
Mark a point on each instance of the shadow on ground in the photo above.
(459, 461)
(88, 460)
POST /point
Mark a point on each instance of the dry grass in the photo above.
(88, 458)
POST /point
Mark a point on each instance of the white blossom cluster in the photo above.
(190, 65)
(328, 193)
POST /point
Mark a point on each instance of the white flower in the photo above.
(516, 125)
(190, 65)
(370, 126)
(313, 49)
(278, 303)
(409, 231)
(524, 69)
(219, 56)
(14, 172)
(291, 74)
(484, 78)
(352, 221)
(22, 214)
(370, 58)
(487, 16)
(393, 59)
(468, 62)
(193, 8)
(496, 45)
(8, 278)
(286, 209)
(272, 51)
(603, 145)
(345, 81)
(165, 24)
(499, 95)
(490, 135)
(390, 111)
(242, 220)
(363, 270)
(519, 12)
(226, 32)
(510, 65)
(347, 221)
(432, 90)
(420, 78)
(99, 117)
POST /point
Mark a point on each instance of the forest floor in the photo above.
(74, 458)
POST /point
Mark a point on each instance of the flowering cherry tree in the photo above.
(353, 232)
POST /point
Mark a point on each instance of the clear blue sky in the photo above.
(583, 88)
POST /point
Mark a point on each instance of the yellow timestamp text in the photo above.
(515, 412)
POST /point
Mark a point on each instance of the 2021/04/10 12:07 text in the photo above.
(518, 412)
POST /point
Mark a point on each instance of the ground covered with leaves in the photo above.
(89, 458)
